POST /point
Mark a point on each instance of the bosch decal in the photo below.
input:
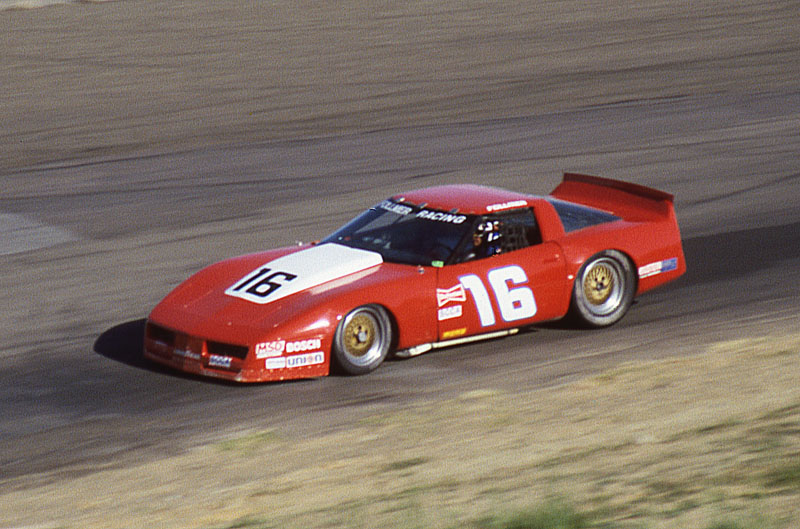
(303, 345)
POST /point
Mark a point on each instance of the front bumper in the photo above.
(238, 363)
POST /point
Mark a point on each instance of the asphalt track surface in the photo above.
(75, 394)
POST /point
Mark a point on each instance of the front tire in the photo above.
(362, 339)
(603, 290)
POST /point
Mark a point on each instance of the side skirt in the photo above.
(425, 347)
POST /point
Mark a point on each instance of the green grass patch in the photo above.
(742, 524)
(786, 476)
(404, 464)
(250, 523)
(551, 515)
(248, 443)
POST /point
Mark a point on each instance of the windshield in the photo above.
(403, 233)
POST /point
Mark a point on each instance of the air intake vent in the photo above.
(160, 334)
(226, 349)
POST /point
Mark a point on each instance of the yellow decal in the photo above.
(455, 333)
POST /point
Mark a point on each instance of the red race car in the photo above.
(424, 269)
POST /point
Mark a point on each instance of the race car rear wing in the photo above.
(624, 199)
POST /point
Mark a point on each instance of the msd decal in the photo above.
(277, 347)
(268, 349)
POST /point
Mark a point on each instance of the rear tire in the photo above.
(362, 340)
(603, 290)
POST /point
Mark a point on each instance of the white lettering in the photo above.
(219, 361)
(448, 313)
(507, 205)
(441, 216)
(275, 363)
(515, 303)
(395, 208)
(267, 349)
(303, 345)
(187, 354)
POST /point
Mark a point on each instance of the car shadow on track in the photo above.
(124, 343)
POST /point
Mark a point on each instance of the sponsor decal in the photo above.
(275, 363)
(659, 267)
(507, 205)
(267, 349)
(455, 333)
(441, 216)
(259, 284)
(277, 347)
(303, 345)
(388, 205)
(308, 359)
(186, 354)
(219, 361)
(453, 294)
(448, 313)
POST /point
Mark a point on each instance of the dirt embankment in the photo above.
(673, 444)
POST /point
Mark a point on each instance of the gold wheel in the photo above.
(604, 289)
(359, 335)
(598, 284)
(362, 339)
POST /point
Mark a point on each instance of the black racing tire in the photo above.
(362, 340)
(603, 290)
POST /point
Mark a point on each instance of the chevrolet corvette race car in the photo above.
(421, 270)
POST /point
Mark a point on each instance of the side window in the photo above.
(518, 229)
(496, 234)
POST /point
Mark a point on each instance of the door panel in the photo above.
(501, 291)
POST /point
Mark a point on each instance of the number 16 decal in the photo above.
(515, 303)
(258, 285)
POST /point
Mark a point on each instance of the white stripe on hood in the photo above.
(300, 271)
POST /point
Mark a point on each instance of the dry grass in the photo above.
(705, 441)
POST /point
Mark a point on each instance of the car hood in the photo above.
(296, 272)
(249, 295)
